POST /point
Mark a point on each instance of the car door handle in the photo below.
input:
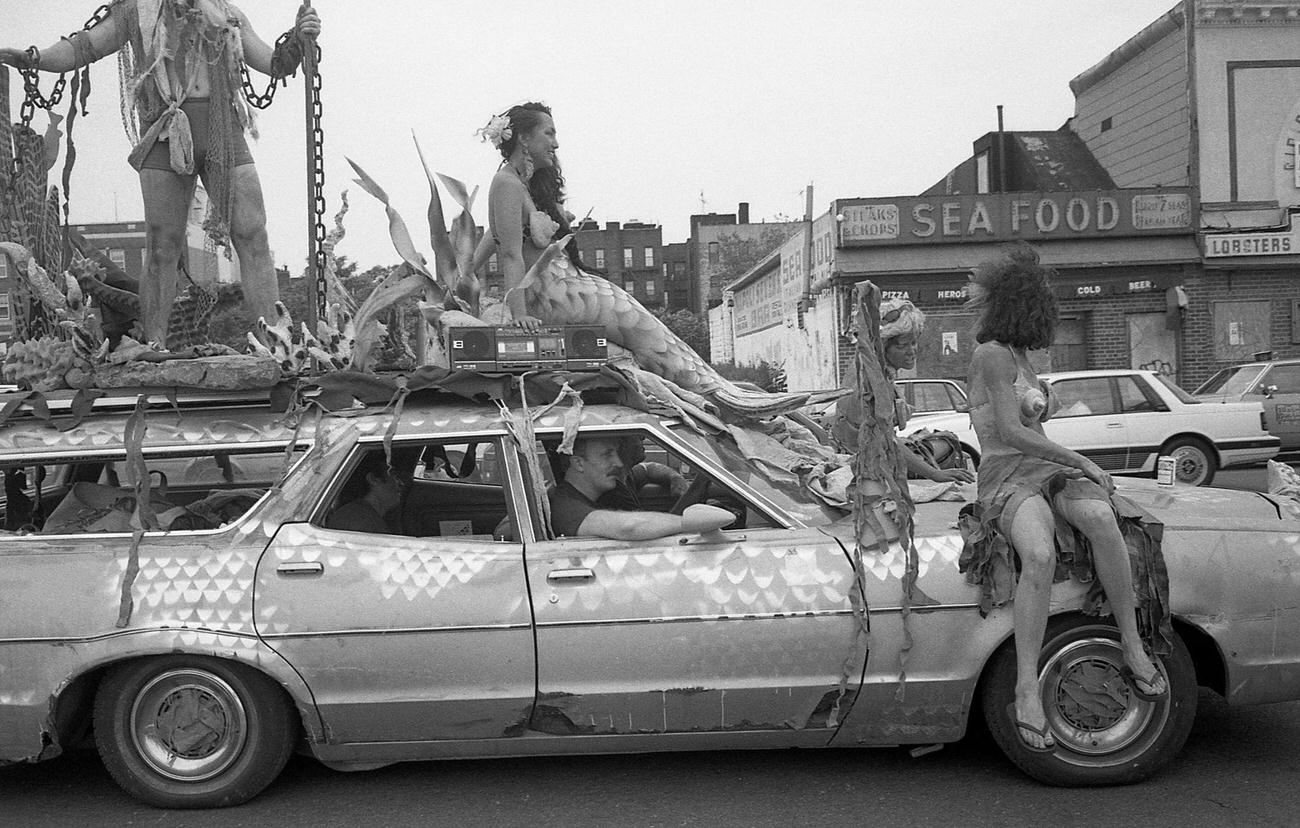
(570, 575)
(300, 568)
(1114, 425)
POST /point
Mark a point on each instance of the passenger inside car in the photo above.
(370, 497)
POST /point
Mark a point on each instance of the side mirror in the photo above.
(962, 408)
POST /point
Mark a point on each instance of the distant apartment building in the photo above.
(713, 237)
(630, 255)
(678, 286)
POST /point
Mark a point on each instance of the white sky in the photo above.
(655, 102)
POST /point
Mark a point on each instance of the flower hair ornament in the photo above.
(498, 131)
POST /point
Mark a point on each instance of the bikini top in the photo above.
(1033, 402)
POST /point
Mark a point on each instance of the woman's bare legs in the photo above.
(167, 197)
(1110, 556)
(1032, 536)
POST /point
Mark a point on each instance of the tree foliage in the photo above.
(690, 328)
(738, 254)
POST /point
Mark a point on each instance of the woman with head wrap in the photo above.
(901, 323)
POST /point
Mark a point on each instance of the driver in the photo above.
(596, 468)
(637, 474)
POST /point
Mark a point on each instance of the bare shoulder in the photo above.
(992, 359)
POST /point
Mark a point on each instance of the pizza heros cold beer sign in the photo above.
(1008, 216)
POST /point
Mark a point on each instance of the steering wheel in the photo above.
(694, 494)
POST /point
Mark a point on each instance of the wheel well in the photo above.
(1205, 442)
(1210, 670)
(1208, 661)
(74, 707)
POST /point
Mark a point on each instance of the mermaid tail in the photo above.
(561, 294)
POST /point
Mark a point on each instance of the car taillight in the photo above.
(1263, 422)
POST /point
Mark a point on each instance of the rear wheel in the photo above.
(1105, 735)
(1194, 461)
(192, 732)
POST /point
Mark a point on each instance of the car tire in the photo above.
(1194, 460)
(1105, 734)
(192, 732)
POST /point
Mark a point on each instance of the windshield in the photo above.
(1182, 395)
(1232, 382)
(790, 496)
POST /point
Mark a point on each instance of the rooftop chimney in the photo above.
(742, 213)
(611, 225)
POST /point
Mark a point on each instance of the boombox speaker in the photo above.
(473, 349)
(585, 347)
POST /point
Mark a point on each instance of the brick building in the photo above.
(713, 235)
(679, 289)
(1207, 96)
(630, 255)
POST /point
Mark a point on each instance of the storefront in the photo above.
(1122, 258)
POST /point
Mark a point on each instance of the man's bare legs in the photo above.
(167, 198)
(248, 234)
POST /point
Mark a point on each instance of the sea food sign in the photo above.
(1010, 216)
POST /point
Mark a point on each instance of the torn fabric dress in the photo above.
(1007, 478)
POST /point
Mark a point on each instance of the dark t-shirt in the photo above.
(569, 508)
(358, 516)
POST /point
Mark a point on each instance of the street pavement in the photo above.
(1239, 768)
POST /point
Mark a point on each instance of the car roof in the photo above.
(1095, 372)
(251, 424)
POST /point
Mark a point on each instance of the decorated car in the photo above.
(177, 586)
(1124, 420)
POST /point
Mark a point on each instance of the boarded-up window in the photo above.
(1069, 350)
(943, 349)
(1240, 329)
(1152, 346)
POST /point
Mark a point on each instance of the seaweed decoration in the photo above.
(868, 423)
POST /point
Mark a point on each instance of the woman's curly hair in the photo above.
(1013, 295)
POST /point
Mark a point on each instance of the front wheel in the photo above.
(192, 732)
(1105, 735)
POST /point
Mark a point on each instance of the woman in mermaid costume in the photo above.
(526, 214)
(1041, 504)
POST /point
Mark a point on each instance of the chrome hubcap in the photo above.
(1092, 712)
(1190, 465)
(188, 725)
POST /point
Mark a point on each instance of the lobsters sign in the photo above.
(1010, 216)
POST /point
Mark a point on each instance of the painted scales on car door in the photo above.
(752, 632)
(401, 639)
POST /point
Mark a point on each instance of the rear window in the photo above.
(1177, 390)
(1231, 382)
(189, 491)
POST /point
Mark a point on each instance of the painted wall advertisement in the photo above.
(1010, 216)
(772, 297)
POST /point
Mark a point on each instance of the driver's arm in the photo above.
(615, 525)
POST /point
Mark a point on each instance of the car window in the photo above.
(1083, 397)
(453, 488)
(1232, 382)
(188, 491)
(1284, 378)
(653, 477)
(1134, 396)
(930, 396)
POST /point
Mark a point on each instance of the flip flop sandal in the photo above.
(1049, 745)
(1132, 679)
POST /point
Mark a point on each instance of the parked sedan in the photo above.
(1124, 420)
(1274, 385)
(201, 653)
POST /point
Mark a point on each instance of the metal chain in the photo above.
(318, 184)
(32, 76)
(263, 100)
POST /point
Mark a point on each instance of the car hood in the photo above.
(1173, 506)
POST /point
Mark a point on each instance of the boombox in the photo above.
(510, 349)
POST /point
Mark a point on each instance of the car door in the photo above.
(404, 639)
(1147, 421)
(1281, 386)
(751, 630)
(1088, 420)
